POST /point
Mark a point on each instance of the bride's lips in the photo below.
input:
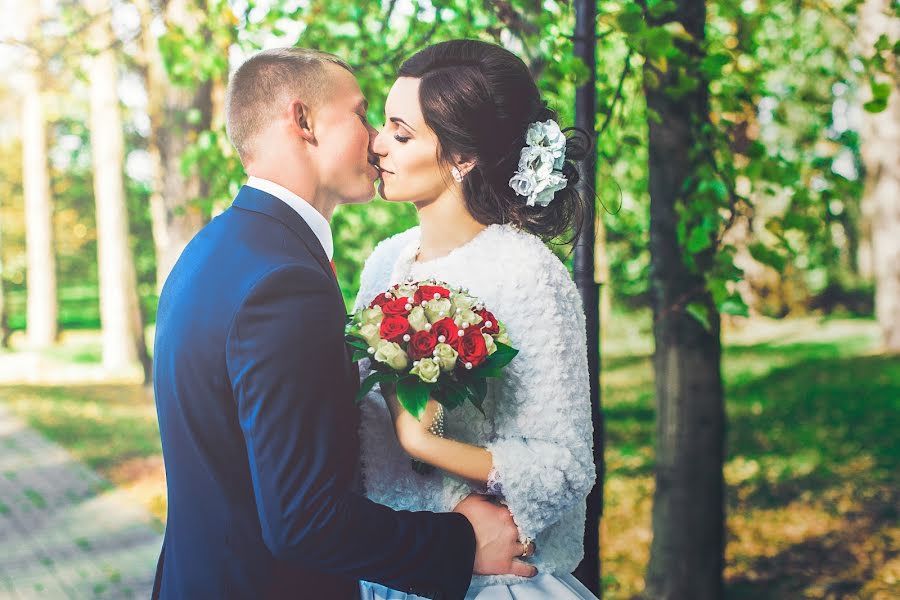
(382, 170)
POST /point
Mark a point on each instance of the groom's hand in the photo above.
(497, 544)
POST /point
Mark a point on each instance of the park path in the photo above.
(64, 531)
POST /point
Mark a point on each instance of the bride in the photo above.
(469, 141)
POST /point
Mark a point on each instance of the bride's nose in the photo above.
(379, 148)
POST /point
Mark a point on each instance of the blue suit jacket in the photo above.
(254, 393)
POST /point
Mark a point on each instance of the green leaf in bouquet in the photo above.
(477, 389)
(490, 372)
(357, 343)
(450, 393)
(358, 355)
(370, 381)
(499, 359)
(413, 395)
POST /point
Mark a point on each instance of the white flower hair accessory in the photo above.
(539, 175)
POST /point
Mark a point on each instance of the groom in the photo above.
(254, 389)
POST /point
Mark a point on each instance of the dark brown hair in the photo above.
(479, 99)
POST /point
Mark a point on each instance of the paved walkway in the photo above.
(64, 531)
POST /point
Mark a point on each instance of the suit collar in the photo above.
(255, 200)
(313, 218)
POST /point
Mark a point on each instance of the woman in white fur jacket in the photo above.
(468, 140)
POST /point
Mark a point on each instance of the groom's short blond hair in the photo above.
(261, 85)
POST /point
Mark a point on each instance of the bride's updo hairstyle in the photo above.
(479, 99)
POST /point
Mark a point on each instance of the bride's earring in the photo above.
(456, 174)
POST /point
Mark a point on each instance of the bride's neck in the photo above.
(445, 225)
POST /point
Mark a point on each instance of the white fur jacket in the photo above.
(538, 417)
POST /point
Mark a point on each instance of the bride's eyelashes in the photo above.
(400, 138)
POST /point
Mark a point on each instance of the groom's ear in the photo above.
(301, 121)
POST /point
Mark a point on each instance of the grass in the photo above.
(811, 466)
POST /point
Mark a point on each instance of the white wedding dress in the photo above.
(537, 421)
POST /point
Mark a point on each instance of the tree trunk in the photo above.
(4, 317)
(123, 332)
(41, 262)
(881, 199)
(174, 218)
(686, 556)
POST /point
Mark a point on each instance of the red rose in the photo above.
(472, 348)
(396, 307)
(427, 292)
(393, 327)
(488, 317)
(422, 344)
(447, 328)
(380, 300)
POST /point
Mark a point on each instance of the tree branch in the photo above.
(618, 94)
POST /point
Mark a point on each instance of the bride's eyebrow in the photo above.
(399, 120)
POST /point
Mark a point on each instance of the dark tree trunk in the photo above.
(588, 572)
(686, 557)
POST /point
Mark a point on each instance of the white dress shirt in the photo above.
(313, 218)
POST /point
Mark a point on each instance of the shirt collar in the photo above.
(313, 218)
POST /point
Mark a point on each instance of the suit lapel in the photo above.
(255, 200)
(258, 201)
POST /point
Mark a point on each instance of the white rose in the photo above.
(372, 316)
(427, 369)
(392, 355)
(523, 182)
(502, 335)
(406, 290)
(535, 134)
(371, 333)
(489, 342)
(436, 310)
(446, 356)
(560, 161)
(544, 165)
(527, 157)
(417, 318)
(549, 187)
(460, 301)
(466, 316)
(555, 139)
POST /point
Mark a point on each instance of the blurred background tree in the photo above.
(787, 83)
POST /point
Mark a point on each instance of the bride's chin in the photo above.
(389, 195)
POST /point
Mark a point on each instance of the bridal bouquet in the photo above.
(430, 340)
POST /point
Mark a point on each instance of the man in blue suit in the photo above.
(254, 388)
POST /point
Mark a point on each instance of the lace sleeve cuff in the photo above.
(494, 485)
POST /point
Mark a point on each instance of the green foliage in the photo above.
(777, 150)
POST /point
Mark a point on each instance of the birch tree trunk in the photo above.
(4, 317)
(174, 218)
(123, 333)
(41, 311)
(881, 198)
